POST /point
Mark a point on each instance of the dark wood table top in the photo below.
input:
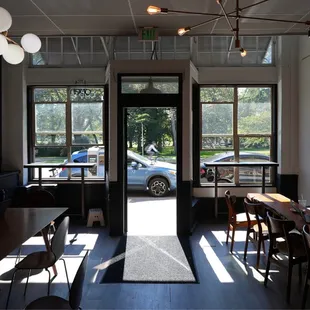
(281, 205)
(17, 225)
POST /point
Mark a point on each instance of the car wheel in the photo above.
(158, 187)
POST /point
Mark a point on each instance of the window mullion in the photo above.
(235, 133)
(69, 128)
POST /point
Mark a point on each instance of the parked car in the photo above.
(156, 177)
(226, 174)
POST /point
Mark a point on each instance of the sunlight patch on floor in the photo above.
(217, 266)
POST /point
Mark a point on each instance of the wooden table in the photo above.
(281, 205)
(17, 225)
(67, 165)
(262, 164)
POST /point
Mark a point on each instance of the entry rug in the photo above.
(151, 259)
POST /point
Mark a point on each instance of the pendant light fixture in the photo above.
(236, 14)
(12, 52)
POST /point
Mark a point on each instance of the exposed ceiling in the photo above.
(124, 17)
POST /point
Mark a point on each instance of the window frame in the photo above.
(69, 145)
(235, 135)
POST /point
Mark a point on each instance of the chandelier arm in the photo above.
(220, 17)
(276, 20)
(227, 19)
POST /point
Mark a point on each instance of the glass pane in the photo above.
(150, 85)
(50, 124)
(49, 155)
(254, 149)
(87, 123)
(93, 155)
(216, 94)
(50, 95)
(86, 94)
(254, 110)
(225, 174)
(217, 119)
(217, 142)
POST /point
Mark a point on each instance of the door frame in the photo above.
(126, 101)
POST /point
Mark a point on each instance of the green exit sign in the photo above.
(148, 34)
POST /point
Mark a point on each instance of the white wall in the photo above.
(14, 119)
(288, 105)
(304, 117)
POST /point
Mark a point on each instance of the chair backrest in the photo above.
(306, 237)
(256, 209)
(230, 202)
(40, 198)
(280, 228)
(59, 239)
(76, 290)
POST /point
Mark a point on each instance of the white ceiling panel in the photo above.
(123, 17)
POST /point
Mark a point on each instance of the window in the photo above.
(236, 125)
(67, 127)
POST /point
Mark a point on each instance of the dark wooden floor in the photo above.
(225, 281)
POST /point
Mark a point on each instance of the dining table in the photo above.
(17, 225)
(280, 205)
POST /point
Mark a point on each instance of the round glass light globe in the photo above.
(14, 54)
(3, 44)
(5, 20)
(31, 43)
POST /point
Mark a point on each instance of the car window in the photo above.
(254, 158)
(81, 159)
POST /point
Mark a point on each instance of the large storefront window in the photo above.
(236, 125)
(68, 127)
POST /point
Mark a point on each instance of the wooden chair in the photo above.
(75, 295)
(259, 230)
(306, 237)
(292, 246)
(45, 259)
(235, 220)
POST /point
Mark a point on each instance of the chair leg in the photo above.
(267, 270)
(228, 230)
(18, 255)
(304, 294)
(49, 282)
(66, 272)
(10, 290)
(25, 291)
(300, 272)
(246, 243)
(289, 280)
(263, 243)
(232, 239)
(258, 251)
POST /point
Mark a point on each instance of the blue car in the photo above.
(156, 177)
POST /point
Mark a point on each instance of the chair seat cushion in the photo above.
(241, 217)
(37, 260)
(49, 302)
(297, 243)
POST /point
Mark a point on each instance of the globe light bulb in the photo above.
(5, 20)
(3, 44)
(14, 54)
(31, 43)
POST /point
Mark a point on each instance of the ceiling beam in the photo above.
(104, 45)
(76, 52)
